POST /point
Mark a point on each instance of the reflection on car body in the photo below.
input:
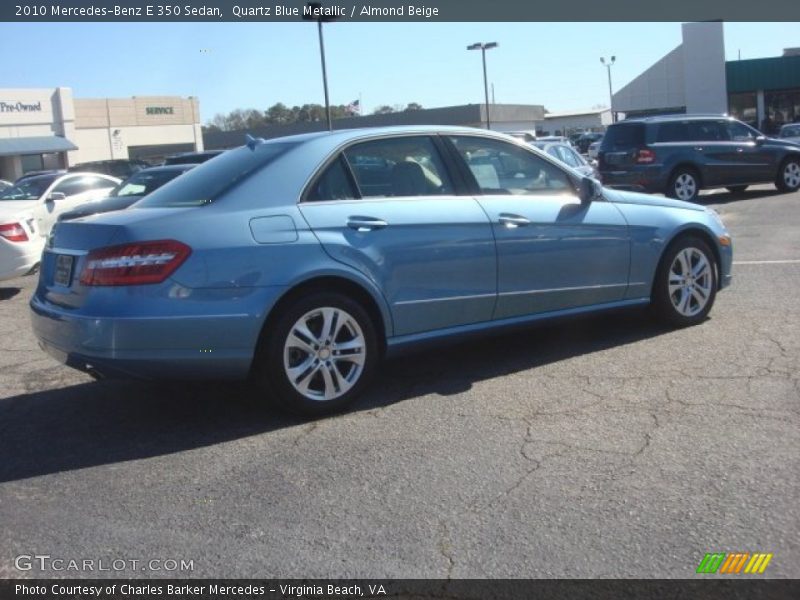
(301, 261)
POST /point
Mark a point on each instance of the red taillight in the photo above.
(13, 232)
(134, 264)
(645, 156)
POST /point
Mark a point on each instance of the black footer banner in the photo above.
(352, 589)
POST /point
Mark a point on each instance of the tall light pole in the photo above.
(610, 94)
(483, 48)
(315, 14)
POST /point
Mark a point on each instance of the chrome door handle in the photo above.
(365, 223)
(699, 148)
(513, 221)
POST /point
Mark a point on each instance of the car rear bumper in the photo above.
(16, 259)
(195, 347)
(647, 179)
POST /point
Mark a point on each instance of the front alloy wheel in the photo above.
(317, 355)
(686, 282)
(789, 176)
(690, 282)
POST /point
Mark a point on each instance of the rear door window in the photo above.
(402, 166)
(677, 131)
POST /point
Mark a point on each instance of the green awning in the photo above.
(35, 145)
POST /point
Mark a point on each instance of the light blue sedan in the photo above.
(302, 261)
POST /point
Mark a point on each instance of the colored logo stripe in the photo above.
(711, 563)
(730, 563)
(758, 563)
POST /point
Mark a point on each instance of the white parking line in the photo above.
(767, 262)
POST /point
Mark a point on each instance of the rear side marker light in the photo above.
(138, 263)
(645, 156)
(13, 232)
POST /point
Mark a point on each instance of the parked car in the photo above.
(129, 191)
(679, 155)
(30, 174)
(186, 158)
(567, 155)
(524, 135)
(122, 168)
(29, 208)
(557, 139)
(301, 261)
(586, 140)
(594, 149)
(790, 132)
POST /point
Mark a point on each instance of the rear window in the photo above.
(206, 182)
(624, 136)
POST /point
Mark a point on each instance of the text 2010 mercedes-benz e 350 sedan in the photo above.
(301, 261)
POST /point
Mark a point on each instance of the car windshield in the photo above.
(28, 189)
(206, 182)
(144, 182)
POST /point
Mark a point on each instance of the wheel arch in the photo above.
(697, 231)
(329, 282)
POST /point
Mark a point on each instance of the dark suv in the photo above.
(679, 155)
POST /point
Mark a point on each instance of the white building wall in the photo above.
(704, 82)
(577, 122)
(102, 143)
(660, 86)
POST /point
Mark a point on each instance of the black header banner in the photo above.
(421, 589)
(396, 10)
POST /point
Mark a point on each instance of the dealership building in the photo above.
(49, 129)
(695, 78)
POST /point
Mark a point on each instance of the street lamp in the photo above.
(610, 95)
(483, 48)
(314, 13)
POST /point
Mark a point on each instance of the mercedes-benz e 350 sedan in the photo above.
(302, 261)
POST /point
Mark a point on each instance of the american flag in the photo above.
(354, 108)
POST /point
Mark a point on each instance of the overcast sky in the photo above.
(255, 65)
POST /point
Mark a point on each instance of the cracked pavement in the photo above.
(603, 447)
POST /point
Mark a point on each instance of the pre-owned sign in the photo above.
(11, 107)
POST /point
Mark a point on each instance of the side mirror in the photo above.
(760, 140)
(589, 190)
(54, 196)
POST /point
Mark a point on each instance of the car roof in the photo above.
(668, 118)
(167, 168)
(344, 135)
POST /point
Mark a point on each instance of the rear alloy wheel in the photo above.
(736, 189)
(319, 355)
(686, 282)
(789, 176)
(684, 185)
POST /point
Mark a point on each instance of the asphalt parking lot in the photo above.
(604, 447)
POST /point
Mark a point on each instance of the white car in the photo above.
(29, 208)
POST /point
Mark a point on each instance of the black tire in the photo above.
(788, 178)
(684, 184)
(327, 370)
(671, 286)
(736, 189)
